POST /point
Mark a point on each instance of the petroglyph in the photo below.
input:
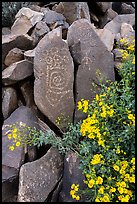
(54, 76)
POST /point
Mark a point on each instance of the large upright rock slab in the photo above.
(38, 178)
(54, 76)
(92, 56)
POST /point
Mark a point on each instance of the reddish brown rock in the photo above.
(54, 76)
(23, 42)
(14, 55)
(39, 31)
(37, 179)
(16, 72)
(73, 10)
(25, 20)
(95, 61)
(9, 101)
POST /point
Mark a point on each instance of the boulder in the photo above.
(14, 55)
(23, 42)
(16, 72)
(25, 20)
(51, 17)
(54, 77)
(71, 174)
(39, 31)
(9, 101)
(126, 8)
(126, 30)
(73, 10)
(6, 31)
(115, 25)
(103, 6)
(95, 62)
(29, 55)
(107, 37)
(27, 92)
(38, 178)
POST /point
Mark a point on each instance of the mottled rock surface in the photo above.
(9, 101)
(16, 72)
(73, 10)
(14, 55)
(95, 62)
(54, 77)
(25, 20)
(38, 178)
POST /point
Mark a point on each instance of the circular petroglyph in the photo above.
(57, 79)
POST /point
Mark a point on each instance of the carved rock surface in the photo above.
(25, 20)
(9, 101)
(14, 55)
(92, 56)
(38, 178)
(73, 10)
(16, 72)
(54, 76)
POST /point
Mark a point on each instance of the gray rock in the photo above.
(38, 178)
(107, 37)
(72, 174)
(127, 9)
(29, 55)
(16, 72)
(55, 194)
(25, 20)
(13, 55)
(39, 31)
(27, 92)
(126, 30)
(12, 160)
(23, 42)
(103, 6)
(115, 24)
(95, 61)
(73, 10)
(6, 31)
(117, 54)
(54, 76)
(51, 17)
(9, 101)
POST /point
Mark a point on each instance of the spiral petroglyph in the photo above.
(54, 77)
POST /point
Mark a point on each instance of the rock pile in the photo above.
(50, 56)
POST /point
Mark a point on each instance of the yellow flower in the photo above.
(97, 97)
(101, 190)
(118, 151)
(121, 190)
(79, 106)
(133, 160)
(11, 148)
(77, 197)
(112, 190)
(103, 114)
(99, 180)
(17, 144)
(9, 136)
(132, 179)
(14, 130)
(97, 200)
(100, 103)
(116, 167)
(91, 183)
(123, 184)
(125, 199)
(14, 135)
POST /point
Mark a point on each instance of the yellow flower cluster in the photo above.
(132, 118)
(105, 198)
(83, 105)
(124, 53)
(74, 190)
(128, 44)
(97, 159)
